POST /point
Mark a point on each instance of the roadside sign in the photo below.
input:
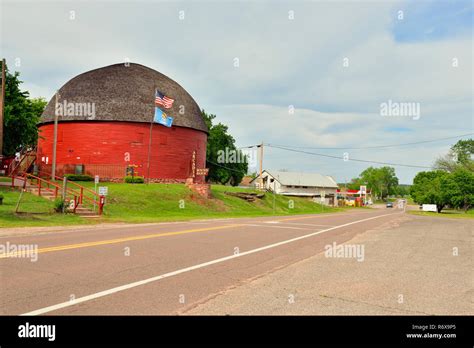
(363, 190)
(193, 164)
(429, 207)
(96, 179)
(103, 190)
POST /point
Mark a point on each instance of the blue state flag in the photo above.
(162, 118)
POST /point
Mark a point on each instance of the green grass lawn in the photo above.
(449, 213)
(138, 203)
(5, 179)
(33, 211)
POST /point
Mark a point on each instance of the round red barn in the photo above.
(104, 118)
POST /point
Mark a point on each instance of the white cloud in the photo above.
(282, 62)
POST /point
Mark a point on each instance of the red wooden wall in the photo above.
(97, 143)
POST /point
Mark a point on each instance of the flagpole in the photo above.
(149, 144)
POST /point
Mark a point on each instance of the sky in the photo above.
(299, 74)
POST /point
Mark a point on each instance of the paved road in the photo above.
(162, 268)
(412, 265)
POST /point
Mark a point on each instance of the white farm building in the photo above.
(298, 184)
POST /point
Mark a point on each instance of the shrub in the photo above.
(134, 179)
(79, 177)
(59, 205)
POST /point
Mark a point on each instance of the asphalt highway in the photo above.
(163, 268)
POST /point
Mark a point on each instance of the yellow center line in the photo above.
(118, 240)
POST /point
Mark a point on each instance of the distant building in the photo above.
(321, 187)
(354, 197)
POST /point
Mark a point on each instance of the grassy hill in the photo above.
(153, 203)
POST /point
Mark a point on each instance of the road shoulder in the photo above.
(412, 266)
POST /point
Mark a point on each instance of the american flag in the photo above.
(163, 100)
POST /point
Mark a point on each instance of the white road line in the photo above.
(286, 227)
(296, 223)
(187, 269)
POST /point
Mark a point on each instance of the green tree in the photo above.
(355, 184)
(21, 116)
(457, 189)
(430, 188)
(459, 156)
(230, 170)
(402, 190)
(371, 178)
(452, 184)
(389, 181)
(381, 181)
(464, 150)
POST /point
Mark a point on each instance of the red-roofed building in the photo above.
(354, 197)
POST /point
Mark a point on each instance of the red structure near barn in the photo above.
(104, 121)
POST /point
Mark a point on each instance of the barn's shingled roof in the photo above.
(126, 93)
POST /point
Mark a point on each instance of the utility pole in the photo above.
(261, 165)
(55, 137)
(274, 196)
(2, 106)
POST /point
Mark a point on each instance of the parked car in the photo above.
(389, 205)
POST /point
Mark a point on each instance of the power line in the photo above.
(352, 159)
(232, 169)
(370, 147)
(293, 149)
(249, 147)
